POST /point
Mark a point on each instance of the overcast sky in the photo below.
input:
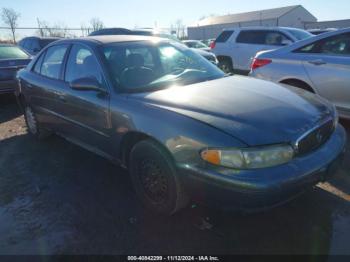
(137, 13)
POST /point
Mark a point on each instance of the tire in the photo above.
(33, 125)
(226, 65)
(155, 179)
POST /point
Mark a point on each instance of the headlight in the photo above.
(249, 158)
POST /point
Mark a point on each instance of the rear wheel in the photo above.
(225, 64)
(155, 179)
(33, 125)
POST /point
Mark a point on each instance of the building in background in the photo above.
(328, 24)
(291, 16)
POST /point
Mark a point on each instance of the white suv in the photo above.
(236, 47)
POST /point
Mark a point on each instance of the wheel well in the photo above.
(222, 58)
(130, 140)
(298, 83)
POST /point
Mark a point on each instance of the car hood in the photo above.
(254, 111)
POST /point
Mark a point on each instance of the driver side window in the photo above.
(82, 64)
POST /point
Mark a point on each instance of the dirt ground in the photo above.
(56, 198)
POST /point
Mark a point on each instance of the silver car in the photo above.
(320, 64)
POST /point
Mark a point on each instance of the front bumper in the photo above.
(263, 188)
(7, 86)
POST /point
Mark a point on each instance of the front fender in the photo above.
(181, 135)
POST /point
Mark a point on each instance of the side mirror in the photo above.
(286, 42)
(86, 84)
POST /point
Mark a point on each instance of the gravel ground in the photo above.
(56, 198)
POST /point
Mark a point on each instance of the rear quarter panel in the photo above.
(283, 67)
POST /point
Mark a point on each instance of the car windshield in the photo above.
(300, 34)
(195, 44)
(146, 66)
(12, 52)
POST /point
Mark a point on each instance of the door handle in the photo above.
(317, 62)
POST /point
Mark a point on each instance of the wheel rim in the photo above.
(32, 125)
(153, 180)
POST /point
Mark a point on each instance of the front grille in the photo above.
(316, 138)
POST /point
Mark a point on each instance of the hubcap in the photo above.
(32, 125)
(153, 180)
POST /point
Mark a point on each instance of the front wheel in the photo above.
(155, 178)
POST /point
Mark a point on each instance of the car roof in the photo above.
(263, 28)
(108, 39)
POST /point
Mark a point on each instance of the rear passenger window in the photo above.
(224, 36)
(23, 43)
(29, 44)
(53, 61)
(260, 37)
(252, 37)
(35, 45)
(37, 67)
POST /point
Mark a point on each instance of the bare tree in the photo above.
(84, 29)
(59, 30)
(43, 28)
(180, 29)
(10, 18)
(96, 24)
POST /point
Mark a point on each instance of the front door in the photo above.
(328, 66)
(86, 111)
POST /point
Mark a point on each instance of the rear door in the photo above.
(327, 63)
(45, 85)
(86, 113)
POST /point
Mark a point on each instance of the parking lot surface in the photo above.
(56, 198)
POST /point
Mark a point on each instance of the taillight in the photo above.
(257, 62)
(212, 45)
